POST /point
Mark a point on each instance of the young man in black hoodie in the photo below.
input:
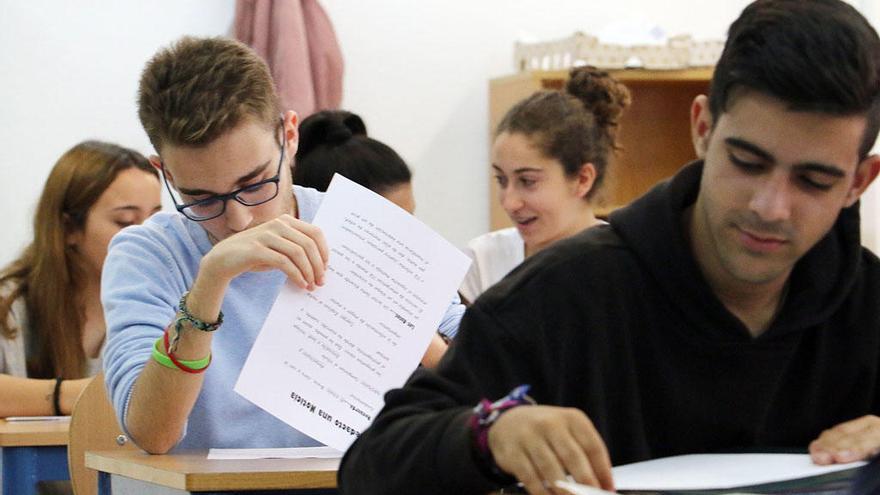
(731, 307)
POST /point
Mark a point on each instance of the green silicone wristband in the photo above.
(165, 361)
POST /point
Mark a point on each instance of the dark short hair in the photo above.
(815, 55)
(336, 141)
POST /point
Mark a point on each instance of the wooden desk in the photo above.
(33, 451)
(123, 472)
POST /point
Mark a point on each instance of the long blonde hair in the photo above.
(49, 273)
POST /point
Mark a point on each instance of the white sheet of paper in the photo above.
(276, 453)
(324, 359)
(578, 489)
(718, 471)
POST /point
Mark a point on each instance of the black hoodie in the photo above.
(619, 322)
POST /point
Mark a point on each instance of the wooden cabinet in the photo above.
(654, 130)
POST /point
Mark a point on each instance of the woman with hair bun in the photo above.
(336, 141)
(550, 156)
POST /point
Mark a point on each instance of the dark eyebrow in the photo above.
(241, 180)
(751, 148)
(519, 170)
(822, 168)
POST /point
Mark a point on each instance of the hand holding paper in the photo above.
(324, 359)
(285, 243)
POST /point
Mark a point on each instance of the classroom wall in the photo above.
(69, 73)
(871, 200)
(417, 71)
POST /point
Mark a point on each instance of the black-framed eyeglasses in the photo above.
(214, 206)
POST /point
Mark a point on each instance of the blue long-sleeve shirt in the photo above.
(148, 268)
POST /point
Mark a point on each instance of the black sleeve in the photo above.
(420, 442)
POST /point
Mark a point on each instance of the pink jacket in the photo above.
(297, 40)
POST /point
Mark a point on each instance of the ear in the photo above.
(156, 162)
(291, 131)
(585, 179)
(701, 125)
(866, 172)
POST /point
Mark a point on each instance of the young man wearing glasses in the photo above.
(225, 147)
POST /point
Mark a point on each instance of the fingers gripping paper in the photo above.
(324, 359)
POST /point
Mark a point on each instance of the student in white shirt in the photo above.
(550, 156)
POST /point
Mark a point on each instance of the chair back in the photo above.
(93, 426)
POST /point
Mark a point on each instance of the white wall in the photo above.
(69, 73)
(416, 71)
(870, 208)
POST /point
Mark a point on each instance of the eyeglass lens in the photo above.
(249, 196)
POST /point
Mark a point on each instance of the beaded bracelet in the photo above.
(198, 324)
(486, 414)
(183, 315)
(170, 361)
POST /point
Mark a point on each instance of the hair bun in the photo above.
(336, 133)
(328, 128)
(353, 122)
(600, 93)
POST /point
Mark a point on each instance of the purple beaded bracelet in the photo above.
(487, 413)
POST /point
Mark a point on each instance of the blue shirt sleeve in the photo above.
(452, 318)
(141, 283)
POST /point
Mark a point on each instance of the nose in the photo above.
(771, 201)
(510, 199)
(238, 216)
